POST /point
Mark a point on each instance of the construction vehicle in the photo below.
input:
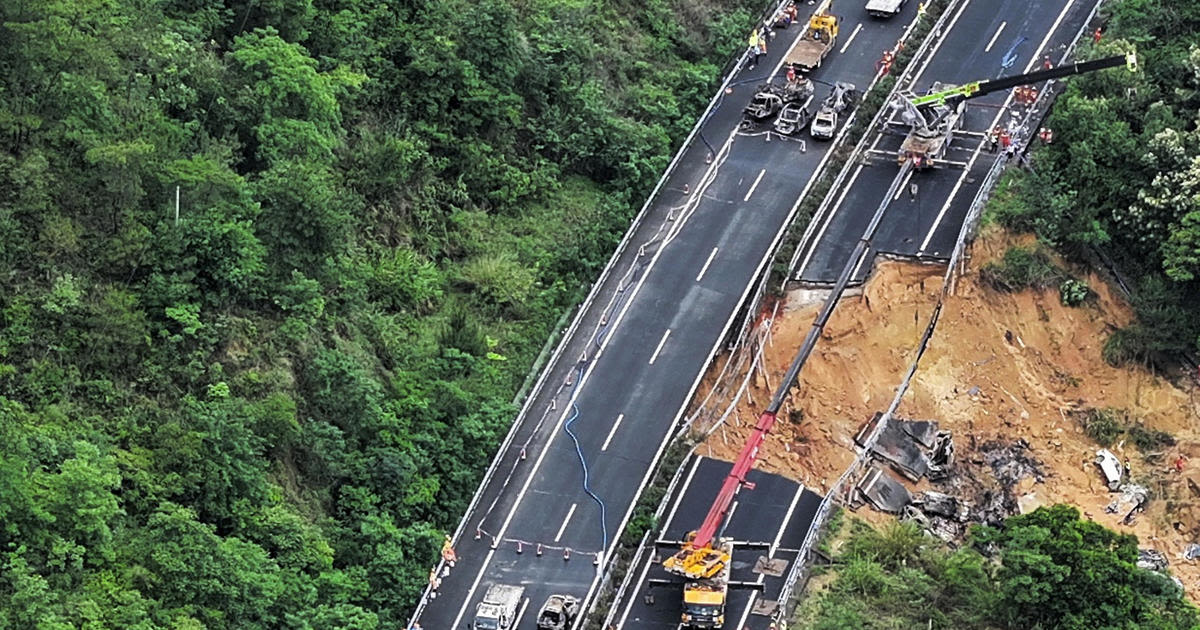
(842, 98)
(819, 38)
(934, 117)
(500, 608)
(558, 612)
(885, 8)
(771, 98)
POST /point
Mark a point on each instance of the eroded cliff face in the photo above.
(1000, 367)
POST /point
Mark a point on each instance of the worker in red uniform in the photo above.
(1097, 35)
(1179, 461)
(791, 73)
(1046, 63)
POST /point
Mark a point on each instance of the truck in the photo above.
(935, 116)
(841, 99)
(704, 598)
(499, 608)
(558, 612)
(819, 38)
(932, 131)
(885, 8)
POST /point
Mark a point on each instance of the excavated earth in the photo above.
(1001, 368)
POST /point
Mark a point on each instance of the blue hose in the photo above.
(583, 464)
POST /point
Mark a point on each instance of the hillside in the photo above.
(272, 274)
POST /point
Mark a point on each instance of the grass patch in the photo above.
(1106, 426)
(1022, 268)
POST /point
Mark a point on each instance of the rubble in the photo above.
(1152, 560)
(1192, 551)
(883, 491)
(1130, 502)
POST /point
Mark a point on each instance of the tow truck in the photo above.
(933, 118)
(819, 38)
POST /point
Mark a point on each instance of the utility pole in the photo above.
(177, 205)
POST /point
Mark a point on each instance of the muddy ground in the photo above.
(1001, 366)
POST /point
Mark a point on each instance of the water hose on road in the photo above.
(583, 463)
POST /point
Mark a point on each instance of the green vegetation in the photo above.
(1103, 426)
(1021, 268)
(1047, 569)
(265, 411)
(1122, 179)
(1106, 426)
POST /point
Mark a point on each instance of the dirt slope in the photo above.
(1001, 365)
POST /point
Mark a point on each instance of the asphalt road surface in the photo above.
(926, 225)
(643, 366)
(777, 512)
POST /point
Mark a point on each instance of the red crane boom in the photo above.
(736, 479)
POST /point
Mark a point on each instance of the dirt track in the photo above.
(1001, 365)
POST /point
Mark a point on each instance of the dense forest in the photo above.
(1048, 569)
(1120, 183)
(272, 273)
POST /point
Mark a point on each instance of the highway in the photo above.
(640, 346)
(925, 225)
(982, 35)
(777, 512)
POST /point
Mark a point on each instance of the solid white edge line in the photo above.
(851, 38)
(566, 521)
(995, 37)
(654, 357)
(754, 185)
(771, 552)
(706, 264)
(816, 240)
(521, 615)
(687, 481)
(611, 433)
(1003, 109)
(903, 185)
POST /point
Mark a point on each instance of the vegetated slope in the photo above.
(264, 411)
(1046, 569)
(1122, 175)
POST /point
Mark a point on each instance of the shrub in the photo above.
(1147, 439)
(1073, 292)
(1021, 268)
(1102, 425)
